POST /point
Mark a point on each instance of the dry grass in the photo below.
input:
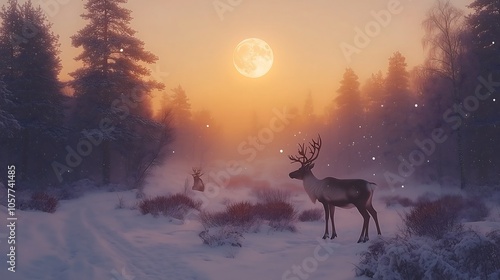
(177, 205)
(311, 215)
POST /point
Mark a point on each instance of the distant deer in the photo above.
(198, 183)
(333, 192)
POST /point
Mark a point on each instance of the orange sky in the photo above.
(195, 43)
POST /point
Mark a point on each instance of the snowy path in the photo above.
(85, 240)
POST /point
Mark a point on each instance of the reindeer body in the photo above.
(332, 192)
(337, 192)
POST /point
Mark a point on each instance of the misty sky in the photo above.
(195, 43)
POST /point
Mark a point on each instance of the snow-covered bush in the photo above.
(311, 215)
(43, 202)
(436, 218)
(432, 219)
(272, 195)
(176, 206)
(222, 236)
(458, 255)
(228, 226)
(214, 219)
(275, 211)
(280, 214)
(240, 214)
(274, 206)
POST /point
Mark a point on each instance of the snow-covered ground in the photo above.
(88, 238)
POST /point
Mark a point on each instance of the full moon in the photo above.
(253, 57)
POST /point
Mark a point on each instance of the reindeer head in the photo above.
(305, 160)
(198, 183)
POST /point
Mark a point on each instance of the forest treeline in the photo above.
(106, 130)
(438, 120)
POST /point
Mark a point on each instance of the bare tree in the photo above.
(444, 33)
(444, 39)
(156, 154)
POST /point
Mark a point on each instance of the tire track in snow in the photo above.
(142, 263)
(86, 258)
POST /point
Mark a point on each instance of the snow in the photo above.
(88, 238)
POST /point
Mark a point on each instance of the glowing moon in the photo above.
(253, 58)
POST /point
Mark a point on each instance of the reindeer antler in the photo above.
(314, 148)
(197, 172)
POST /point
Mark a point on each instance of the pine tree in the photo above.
(30, 66)
(181, 108)
(396, 109)
(10, 38)
(8, 124)
(485, 122)
(373, 92)
(37, 90)
(373, 97)
(483, 23)
(349, 117)
(112, 84)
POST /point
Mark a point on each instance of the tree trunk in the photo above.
(460, 150)
(106, 162)
(24, 156)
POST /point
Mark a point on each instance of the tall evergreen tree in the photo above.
(349, 93)
(397, 76)
(373, 92)
(483, 23)
(30, 66)
(112, 84)
(10, 38)
(396, 110)
(485, 123)
(181, 107)
(37, 90)
(373, 96)
(8, 123)
(349, 118)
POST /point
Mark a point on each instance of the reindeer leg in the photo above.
(374, 215)
(332, 212)
(366, 219)
(325, 205)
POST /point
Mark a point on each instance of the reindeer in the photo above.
(198, 183)
(333, 192)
